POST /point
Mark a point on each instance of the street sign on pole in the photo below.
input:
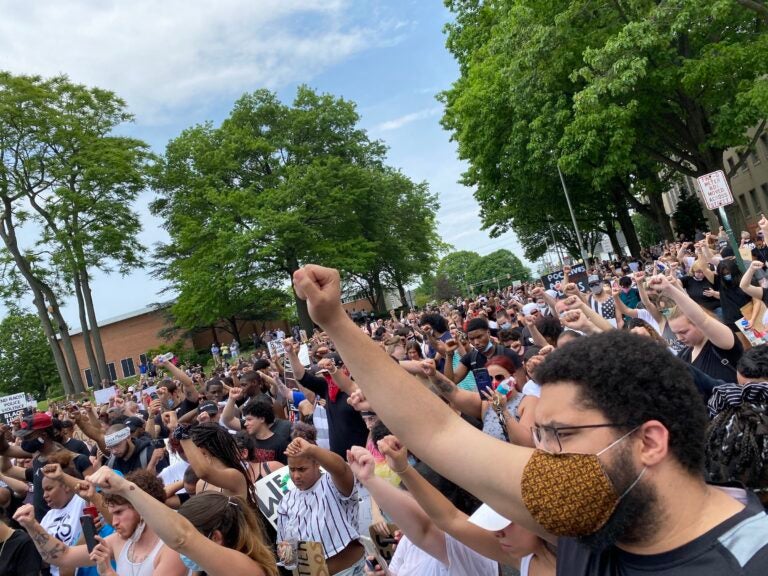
(716, 193)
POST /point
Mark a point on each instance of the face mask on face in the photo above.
(33, 445)
(570, 494)
(488, 346)
(506, 326)
(727, 277)
(596, 289)
(626, 290)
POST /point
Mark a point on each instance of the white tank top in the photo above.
(145, 568)
(525, 564)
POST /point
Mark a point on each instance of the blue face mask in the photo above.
(191, 564)
(506, 326)
(728, 277)
(488, 346)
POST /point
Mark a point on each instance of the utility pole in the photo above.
(573, 218)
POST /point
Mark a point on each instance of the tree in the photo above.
(26, 360)
(688, 216)
(276, 186)
(457, 267)
(499, 266)
(61, 159)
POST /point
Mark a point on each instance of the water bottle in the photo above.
(505, 386)
(167, 357)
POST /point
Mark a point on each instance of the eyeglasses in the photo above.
(499, 378)
(549, 437)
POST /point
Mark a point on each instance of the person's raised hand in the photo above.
(155, 407)
(575, 320)
(109, 482)
(53, 471)
(327, 364)
(25, 515)
(395, 453)
(537, 292)
(615, 290)
(756, 265)
(85, 490)
(571, 289)
(660, 283)
(170, 420)
(101, 555)
(428, 367)
(299, 447)
(321, 288)
(763, 222)
(361, 462)
(498, 401)
(358, 402)
(572, 303)
(548, 349)
(638, 276)
(235, 393)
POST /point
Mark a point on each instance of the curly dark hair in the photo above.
(436, 321)
(753, 364)
(146, 481)
(260, 408)
(632, 379)
(304, 430)
(550, 328)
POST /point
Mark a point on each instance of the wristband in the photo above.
(401, 472)
(182, 432)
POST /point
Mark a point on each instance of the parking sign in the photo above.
(715, 190)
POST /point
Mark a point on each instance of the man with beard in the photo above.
(616, 478)
(134, 546)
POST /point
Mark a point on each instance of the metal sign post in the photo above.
(716, 192)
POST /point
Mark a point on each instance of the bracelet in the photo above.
(401, 472)
(182, 432)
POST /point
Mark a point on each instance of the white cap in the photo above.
(551, 293)
(131, 389)
(530, 308)
(486, 517)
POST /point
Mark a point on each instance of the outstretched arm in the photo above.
(746, 280)
(412, 412)
(51, 550)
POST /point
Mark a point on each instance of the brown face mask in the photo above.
(570, 494)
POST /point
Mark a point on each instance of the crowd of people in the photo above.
(614, 428)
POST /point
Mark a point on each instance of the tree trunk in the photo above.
(403, 298)
(660, 216)
(92, 362)
(610, 231)
(8, 235)
(66, 341)
(378, 289)
(213, 332)
(98, 346)
(235, 331)
(626, 224)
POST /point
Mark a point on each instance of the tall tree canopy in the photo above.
(275, 186)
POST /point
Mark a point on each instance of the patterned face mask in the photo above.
(570, 494)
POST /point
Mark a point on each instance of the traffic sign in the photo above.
(714, 189)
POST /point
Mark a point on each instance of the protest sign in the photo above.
(311, 560)
(385, 545)
(13, 406)
(270, 491)
(105, 395)
(304, 355)
(557, 281)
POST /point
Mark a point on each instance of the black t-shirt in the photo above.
(181, 409)
(738, 546)
(760, 253)
(732, 298)
(475, 359)
(345, 425)
(77, 446)
(272, 448)
(142, 445)
(20, 557)
(716, 362)
(695, 289)
(35, 476)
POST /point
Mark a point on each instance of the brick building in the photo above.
(127, 338)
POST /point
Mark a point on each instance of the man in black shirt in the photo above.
(70, 443)
(628, 497)
(259, 419)
(346, 427)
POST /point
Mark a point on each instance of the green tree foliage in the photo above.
(622, 94)
(465, 271)
(688, 216)
(26, 361)
(276, 186)
(647, 230)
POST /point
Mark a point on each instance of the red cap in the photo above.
(38, 421)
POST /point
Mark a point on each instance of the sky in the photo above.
(180, 63)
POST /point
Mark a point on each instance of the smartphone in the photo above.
(154, 396)
(89, 532)
(370, 550)
(483, 380)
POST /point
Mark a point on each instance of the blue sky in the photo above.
(180, 63)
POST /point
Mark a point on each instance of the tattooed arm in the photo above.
(52, 551)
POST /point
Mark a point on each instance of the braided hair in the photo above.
(223, 447)
(737, 447)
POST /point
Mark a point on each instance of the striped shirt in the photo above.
(319, 514)
(320, 422)
(735, 395)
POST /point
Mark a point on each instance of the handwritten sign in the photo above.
(270, 491)
(13, 406)
(557, 281)
(714, 189)
(311, 560)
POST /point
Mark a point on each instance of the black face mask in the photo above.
(32, 446)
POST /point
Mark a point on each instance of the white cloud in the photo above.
(165, 56)
(408, 119)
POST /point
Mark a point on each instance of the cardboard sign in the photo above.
(311, 560)
(578, 276)
(105, 395)
(304, 355)
(13, 406)
(303, 335)
(385, 545)
(270, 491)
(715, 190)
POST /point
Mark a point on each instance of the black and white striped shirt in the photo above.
(734, 395)
(319, 514)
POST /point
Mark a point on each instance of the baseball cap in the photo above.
(593, 279)
(134, 423)
(209, 407)
(487, 518)
(38, 421)
(530, 308)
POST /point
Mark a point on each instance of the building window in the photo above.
(88, 377)
(745, 208)
(755, 201)
(112, 371)
(764, 140)
(128, 369)
(754, 157)
(143, 359)
(764, 190)
(731, 163)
